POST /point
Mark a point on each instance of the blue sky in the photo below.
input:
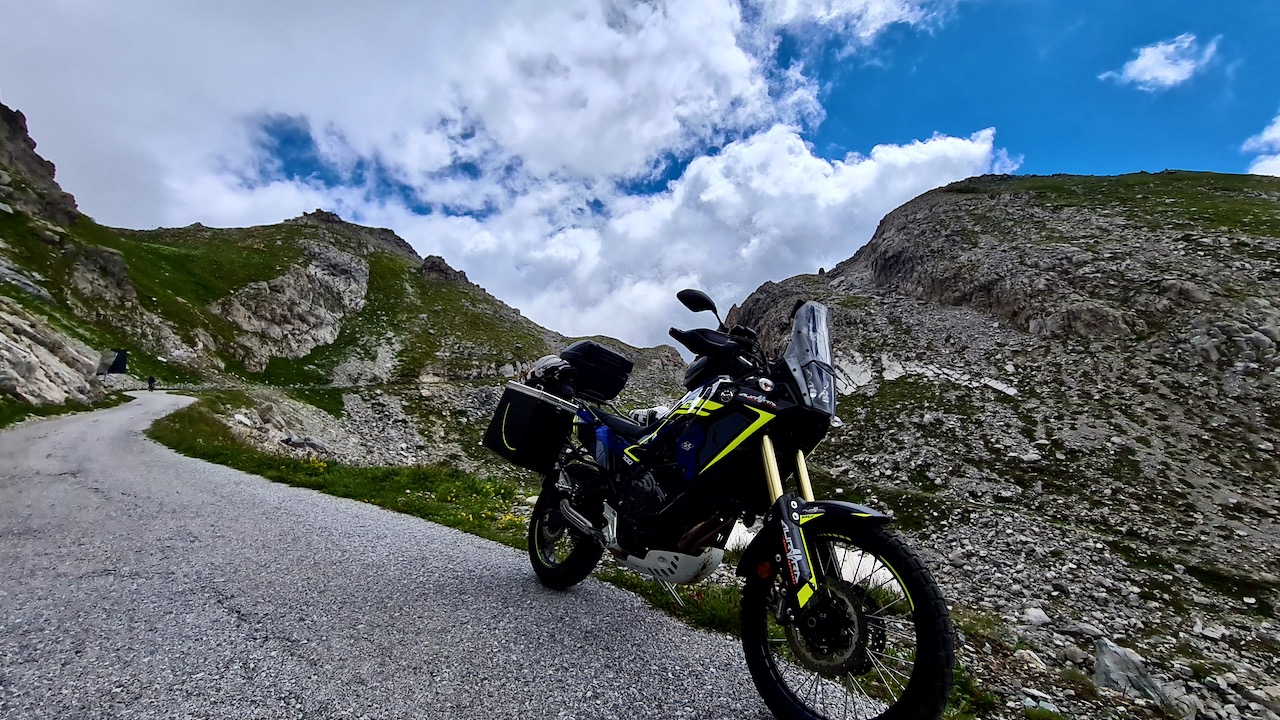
(1030, 68)
(585, 159)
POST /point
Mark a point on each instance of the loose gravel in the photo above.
(137, 583)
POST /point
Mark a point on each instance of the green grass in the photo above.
(1199, 201)
(969, 699)
(178, 271)
(427, 316)
(1080, 683)
(707, 605)
(13, 410)
(327, 399)
(55, 262)
(980, 626)
(477, 505)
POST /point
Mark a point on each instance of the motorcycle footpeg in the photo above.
(580, 522)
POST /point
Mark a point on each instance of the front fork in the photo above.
(789, 512)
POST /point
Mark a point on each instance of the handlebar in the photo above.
(703, 341)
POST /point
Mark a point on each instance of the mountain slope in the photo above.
(1066, 387)
(322, 310)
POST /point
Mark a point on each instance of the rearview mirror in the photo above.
(697, 301)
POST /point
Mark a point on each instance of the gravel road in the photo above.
(137, 583)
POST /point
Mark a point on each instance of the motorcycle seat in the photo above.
(623, 426)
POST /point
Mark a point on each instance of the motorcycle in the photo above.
(839, 618)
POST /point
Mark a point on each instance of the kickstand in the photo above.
(672, 589)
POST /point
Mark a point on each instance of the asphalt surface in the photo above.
(137, 583)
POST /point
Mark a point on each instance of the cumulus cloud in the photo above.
(1164, 64)
(503, 135)
(764, 208)
(1267, 145)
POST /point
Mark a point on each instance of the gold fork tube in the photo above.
(802, 474)
(771, 473)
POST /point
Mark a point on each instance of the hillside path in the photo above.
(135, 582)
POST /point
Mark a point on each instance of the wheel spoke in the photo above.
(886, 668)
(861, 591)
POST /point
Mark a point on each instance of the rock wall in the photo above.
(26, 179)
(1060, 270)
(40, 365)
(303, 309)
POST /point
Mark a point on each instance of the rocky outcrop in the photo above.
(28, 281)
(26, 179)
(41, 366)
(435, 268)
(358, 239)
(101, 273)
(1062, 268)
(293, 314)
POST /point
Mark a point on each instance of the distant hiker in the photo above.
(151, 383)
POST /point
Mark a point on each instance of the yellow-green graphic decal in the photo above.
(762, 418)
(810, 587)
(504, 429)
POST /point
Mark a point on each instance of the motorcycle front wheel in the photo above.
(561, 555)
(874, 642)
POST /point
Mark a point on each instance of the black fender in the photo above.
(766, 546)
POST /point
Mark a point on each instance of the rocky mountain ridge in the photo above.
(314, 303)
(1066, 389)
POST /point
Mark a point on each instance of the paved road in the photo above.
(136, 583)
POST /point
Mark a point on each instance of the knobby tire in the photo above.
(559, 573)
(925, 693)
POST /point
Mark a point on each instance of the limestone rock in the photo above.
(1036, 616)
(291, 315)
(359, 239)
(40, 365)
(1121, 669)
(102, 274)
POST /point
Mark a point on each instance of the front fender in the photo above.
(840, 507)
(766, 546)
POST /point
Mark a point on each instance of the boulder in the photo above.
(39, 193)
(1121, 669)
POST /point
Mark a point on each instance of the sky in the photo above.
(583, 160)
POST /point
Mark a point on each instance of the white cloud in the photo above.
(528, 115)
(598, 89)
(1268, 139)
(764, 208)
(1164, 64)
(1266, 165)
(1267, 143)
(861, 19)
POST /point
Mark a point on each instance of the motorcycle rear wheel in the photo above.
(874, 643)
(560, 554)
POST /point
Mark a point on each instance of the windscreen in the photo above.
(808, 357)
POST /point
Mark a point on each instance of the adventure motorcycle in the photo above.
(840, 619)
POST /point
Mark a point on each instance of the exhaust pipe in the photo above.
(580, 522)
